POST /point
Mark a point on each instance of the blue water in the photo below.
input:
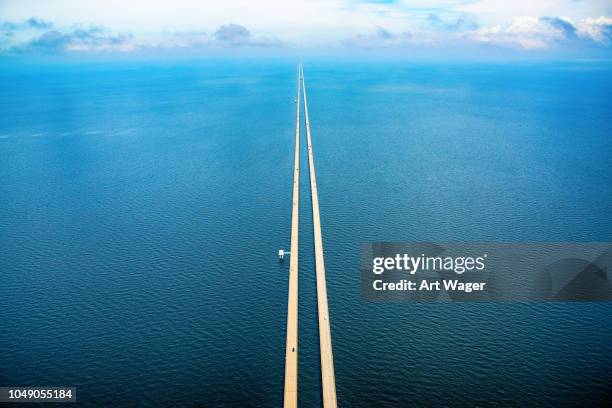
(142, 205)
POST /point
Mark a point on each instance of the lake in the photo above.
(142, 205)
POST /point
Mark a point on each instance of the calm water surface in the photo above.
(142, 205)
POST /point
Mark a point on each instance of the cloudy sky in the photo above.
(397, 26)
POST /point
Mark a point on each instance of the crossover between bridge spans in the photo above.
(325, 341)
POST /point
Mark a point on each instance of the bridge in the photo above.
(325, 342)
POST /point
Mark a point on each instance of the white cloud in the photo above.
(598, 29)
(524, 32)
(137, 24)
(33, 36)
(534, 33)
(379, 38)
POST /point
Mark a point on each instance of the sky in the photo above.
(578, 28)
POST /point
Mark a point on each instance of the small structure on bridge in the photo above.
(282, 253)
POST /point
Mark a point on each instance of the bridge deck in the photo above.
(291, 350)
(327, 358)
